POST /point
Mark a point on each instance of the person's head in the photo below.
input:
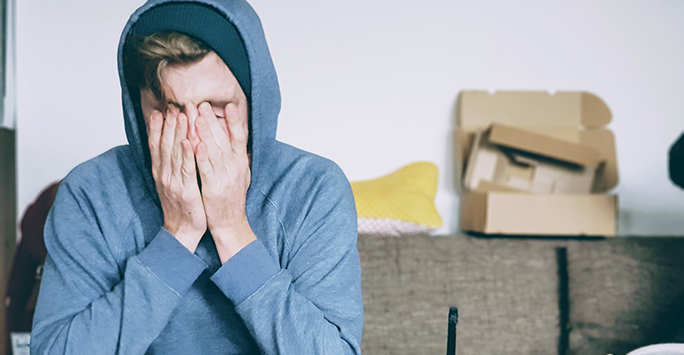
(174, 71)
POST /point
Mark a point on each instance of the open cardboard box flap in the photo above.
(533, 109)
(544, 145)
(575, 117)
(514, 159)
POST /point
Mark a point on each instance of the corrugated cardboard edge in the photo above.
(473, 211)
(517, 138)
(603, 140)
(462, 143)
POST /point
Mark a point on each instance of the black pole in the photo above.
(563, 301)
(451, 336)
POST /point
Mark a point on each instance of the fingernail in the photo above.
(205, 108)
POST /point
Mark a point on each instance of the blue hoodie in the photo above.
(116, 282)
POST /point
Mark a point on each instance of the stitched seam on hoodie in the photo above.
(122, 238)
(282, 225)
(157, 277)
(259, 289)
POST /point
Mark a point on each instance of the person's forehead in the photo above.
(206, 80)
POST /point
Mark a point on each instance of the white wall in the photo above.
(372, 84)
(68, 96)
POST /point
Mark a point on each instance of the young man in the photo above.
(203, 235)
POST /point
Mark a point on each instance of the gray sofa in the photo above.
(521, 295)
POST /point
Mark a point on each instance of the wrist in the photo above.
(229, 241)
(188, 238)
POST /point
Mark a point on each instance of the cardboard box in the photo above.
(506, 158)
(526, 214)
(575, 118)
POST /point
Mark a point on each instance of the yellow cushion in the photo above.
(407, 194)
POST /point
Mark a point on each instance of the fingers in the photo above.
(181, 129)
(207, 137)
(171, 153)
(154, 131)
(218, 133)
(168, 138)
(177, 151)
(238, 129)
(188, 173)
(220, 144)
(204, 165)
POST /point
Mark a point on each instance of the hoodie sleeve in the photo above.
(90, 304)
(314, 304)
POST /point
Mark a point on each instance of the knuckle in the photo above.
(164, 178)
(187, 195)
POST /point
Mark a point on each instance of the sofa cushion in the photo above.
(625, 293)
(505, 289)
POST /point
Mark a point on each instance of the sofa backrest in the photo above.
(621, 294)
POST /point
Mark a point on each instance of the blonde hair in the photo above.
(150, 55)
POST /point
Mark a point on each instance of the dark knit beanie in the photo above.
(205, 24)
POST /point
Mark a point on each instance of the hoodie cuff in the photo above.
(246, 272)
(173, 263)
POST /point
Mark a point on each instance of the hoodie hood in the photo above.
(264, 93)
